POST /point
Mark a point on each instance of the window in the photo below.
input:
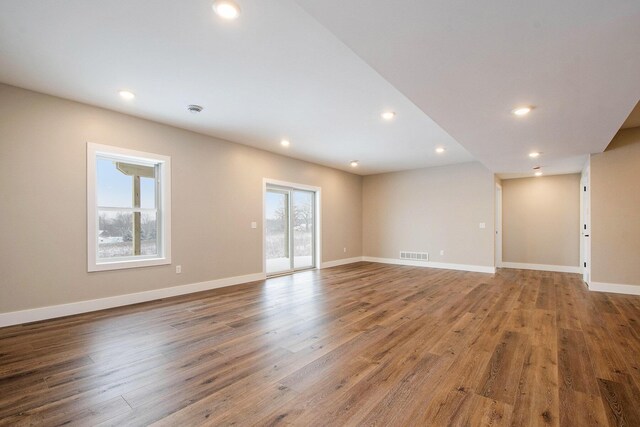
(128, 208)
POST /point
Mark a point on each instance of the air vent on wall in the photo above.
(414, 256)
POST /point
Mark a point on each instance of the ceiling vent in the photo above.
(414, 256)
(193, 109)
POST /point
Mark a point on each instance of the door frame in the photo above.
(498, 226)
(585, 222)
(317, 250)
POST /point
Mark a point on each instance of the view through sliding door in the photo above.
(289, 229)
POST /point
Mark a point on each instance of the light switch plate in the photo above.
(483, 225)
(254, 224)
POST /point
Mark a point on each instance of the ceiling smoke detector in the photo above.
(193, 109)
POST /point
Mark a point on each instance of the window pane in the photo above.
(115, 234)
(303, 229)
(149, 233)
(114, 188)
(277, 231)
(148, 192)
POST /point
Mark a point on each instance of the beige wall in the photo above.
(428, 210)
(615, 211)
(216, 194)
(541, 220)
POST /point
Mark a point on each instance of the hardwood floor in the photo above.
(354, 345)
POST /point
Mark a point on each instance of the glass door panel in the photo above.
(277, 231)
(303, 229)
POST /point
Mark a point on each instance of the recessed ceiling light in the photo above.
(125, 94)
(534, 154)
(538, 173)
(522, 111)
(440, 150)
(285, 143)
(388, 115)
(226, 9)
(354, 163)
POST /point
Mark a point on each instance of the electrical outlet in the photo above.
(178, 269)
(441, 251)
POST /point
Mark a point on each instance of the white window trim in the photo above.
(164, 257)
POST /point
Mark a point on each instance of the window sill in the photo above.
(134, 263)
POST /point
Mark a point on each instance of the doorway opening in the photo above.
(291, 227)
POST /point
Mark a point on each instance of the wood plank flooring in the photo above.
(362, 344)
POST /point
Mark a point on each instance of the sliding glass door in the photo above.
(289, 229)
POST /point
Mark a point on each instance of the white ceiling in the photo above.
(319, 72)
(274, 73)
(468, 63)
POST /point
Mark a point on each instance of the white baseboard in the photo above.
(542, 267)
(614, 288)
(430, 264)
(343, 261)
(51, 312)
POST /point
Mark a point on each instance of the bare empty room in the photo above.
(319, 213)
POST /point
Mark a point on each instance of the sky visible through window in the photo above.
(275, 201)
(115, 189)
